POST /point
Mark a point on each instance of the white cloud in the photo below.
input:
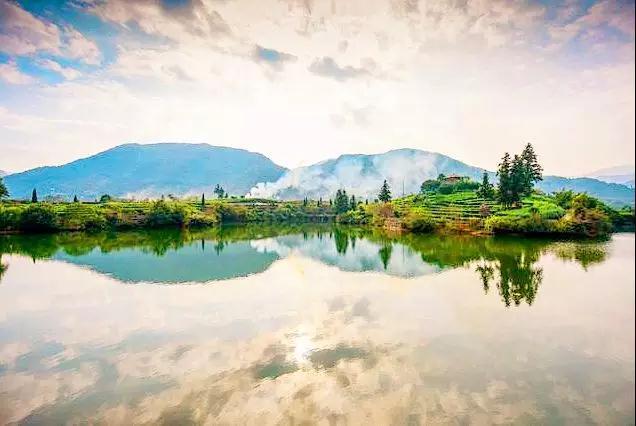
(466, 79)
(66, 72)
(21, 33)
(10, 73)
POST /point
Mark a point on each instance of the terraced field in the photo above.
(460, 207)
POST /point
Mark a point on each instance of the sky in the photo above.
(306, 80)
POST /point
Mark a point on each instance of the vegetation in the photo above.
(385, 192)
(4, 192)
(517, 177)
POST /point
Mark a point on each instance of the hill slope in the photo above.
(362, 176)
(149, 170)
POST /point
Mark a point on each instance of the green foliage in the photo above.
(385, 192)
(219, 191)
(430, 185)
(105, 198)
(418, 221)
(34, 196)
(38, 218)
(518, 176)
(4, 192)
(564, 198)
(164, 213)
(486, 189)
(341, 202)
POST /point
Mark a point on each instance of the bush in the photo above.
(165, 214)
(415, 221)
(38, 218)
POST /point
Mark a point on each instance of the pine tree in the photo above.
(503, 172)
(486, 189)
(517, 180)
(320, 202)
(4, 192)
(533, 172)
(203, 200)
(354, 203)
(341, 202)
(219, 191)
(34, 196)
(385, 193)
(75, 200)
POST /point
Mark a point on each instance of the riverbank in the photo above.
(460, 212)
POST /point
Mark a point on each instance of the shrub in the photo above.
(38, 218)
(164, 214)
(415, 221)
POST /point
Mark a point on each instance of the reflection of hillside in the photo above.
(508, 263)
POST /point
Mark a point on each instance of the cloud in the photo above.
(79, 47)
(66, 72)
(177, 22)
(10, 73)
(327, 67)
(21, 33)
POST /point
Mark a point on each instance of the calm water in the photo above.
(315, 326)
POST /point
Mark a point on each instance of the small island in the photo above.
(446, 204)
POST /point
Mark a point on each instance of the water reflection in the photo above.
(379, 329)
(172, 256)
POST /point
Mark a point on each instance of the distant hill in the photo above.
(621, 174)
(149, 171)
(362, 175)
(2, 173)
(180, 169)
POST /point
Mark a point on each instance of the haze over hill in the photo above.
(149, 171)
(619, 174)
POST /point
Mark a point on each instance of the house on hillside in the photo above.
(450, 179)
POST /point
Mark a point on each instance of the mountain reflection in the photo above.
(175, 256)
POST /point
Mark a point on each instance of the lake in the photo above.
(315, 325)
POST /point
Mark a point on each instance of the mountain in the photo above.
(362, 175)
(2, 173)
(149, 171)
(621, 174)
(180, 169)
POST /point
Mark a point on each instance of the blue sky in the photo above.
(302, 81)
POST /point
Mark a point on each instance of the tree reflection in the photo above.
(385, 254)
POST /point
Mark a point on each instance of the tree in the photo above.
(341, 202)
(533, 172)
(106, 198)
(4, 192)
(517, 180)
(34, 196)
(75, 200)
(203, 200)
(385, 192)
(320, 202)
(503, 171)
(354, 203)
(486, 189)
(219, 191)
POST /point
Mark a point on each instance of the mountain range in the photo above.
(148, 171)
(620, 174)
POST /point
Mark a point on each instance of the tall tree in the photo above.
(203, 200)
(75, 200)
(486, 189)
(385, 192)
(354, 203)
(517, 179)
(4, 192)
(341, 202)
(34, 196)
(533, 172)
(503, 172)
(219, 191)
